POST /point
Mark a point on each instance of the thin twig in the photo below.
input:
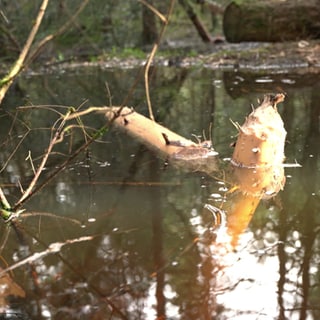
(14, 151)
(146, 80)
(3, 200)
(108, 93)
(86, 111)
(32, 188)
(60, 31)
(59, 169)
(43, 162)
(9, 35)
(50, 215)
(155, 11)
(152, 54)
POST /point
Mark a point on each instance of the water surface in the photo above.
(154, 253)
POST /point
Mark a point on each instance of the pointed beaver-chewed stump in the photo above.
(176, 149)
(257, 161)
(256, 164)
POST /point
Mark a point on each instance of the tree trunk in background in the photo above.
(202, 31)
(265, 20)
(215, 9)
(149, 25)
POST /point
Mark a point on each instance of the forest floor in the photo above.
(284, 55)
(279, 57)
(304, 55)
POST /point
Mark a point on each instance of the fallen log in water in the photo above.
(171, 146)
(269, 21)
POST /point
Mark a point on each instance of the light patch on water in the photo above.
(64, 193)
(172, 311)
(288, 81)
(264, 80)
(215, 195)
(254, 293)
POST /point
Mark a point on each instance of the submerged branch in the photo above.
(52, 248)
(55, 248)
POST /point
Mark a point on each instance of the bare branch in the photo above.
(3, 200)
(18, 66)
(60, 31)
(83, 147)
(151, 56)
(44, 161)
(155, 11)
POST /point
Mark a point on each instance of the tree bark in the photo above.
(257, 160)
(265, 20)
(176, 149)
(202, 31)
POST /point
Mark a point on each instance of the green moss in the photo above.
(124, 53)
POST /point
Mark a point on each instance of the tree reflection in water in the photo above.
(155, 252)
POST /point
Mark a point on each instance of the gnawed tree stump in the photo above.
(257, 160)
(256, 164)
(270, 21)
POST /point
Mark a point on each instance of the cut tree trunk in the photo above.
(257, 160)
(174, 148)
(276, 20)
(256, 165)
(202, 31)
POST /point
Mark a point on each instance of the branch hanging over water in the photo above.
(152, 54)
(26, 57)
(16, 69)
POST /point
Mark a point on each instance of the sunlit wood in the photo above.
(257, 163)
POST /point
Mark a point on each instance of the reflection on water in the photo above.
(156, 252)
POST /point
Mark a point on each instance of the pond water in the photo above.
(153, 251)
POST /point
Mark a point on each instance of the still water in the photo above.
(121, 234)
